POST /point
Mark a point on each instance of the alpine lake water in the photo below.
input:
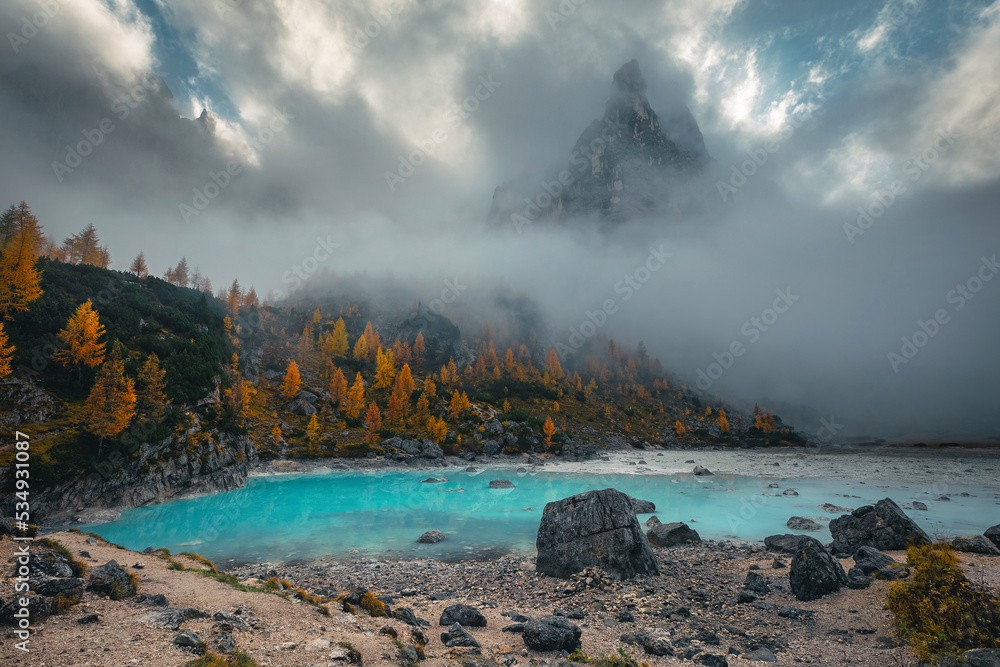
(349, 515)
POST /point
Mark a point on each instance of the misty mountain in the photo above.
(626, 164)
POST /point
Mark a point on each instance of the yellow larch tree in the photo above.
(437, 429)
(361, 352)
(80, 340)
(338, 387)
(338, 340)
(423, 409)
(722, 421)
(371, 339)
(399, 401)
(385, 368)
(419, 346)
(290, 387)
(111, 403)
(317, 316)
(549, 430)
(6, 353)
(373, 423)
(355, 398)
(553, 366)
(459, 405)
(312, 430)
(679, 427)
(21, 242)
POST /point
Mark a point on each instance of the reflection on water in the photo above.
(359, 514)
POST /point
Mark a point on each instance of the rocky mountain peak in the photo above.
(624, 165)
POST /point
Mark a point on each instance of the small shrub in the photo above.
(201, 559)
(271, 584)
(349, 608)
(941, 612)
(234, 659)
(61, 604)
(79, 568)
(622, 659)
(373, 605)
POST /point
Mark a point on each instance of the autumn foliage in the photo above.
(111, 403)
(80, 339)
(290, 387)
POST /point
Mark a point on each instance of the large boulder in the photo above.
(596, 528)
(551, 633)
(39, 610)
(112, 580)
(975, 544)
(70, 588)
(672, 534)
(981, 657)
(468, 616)
(457, 636)
(784, 544)
(883, 526)
(802, 523)
(993, 535)
(814, 572)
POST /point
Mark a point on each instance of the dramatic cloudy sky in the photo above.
(310, 113)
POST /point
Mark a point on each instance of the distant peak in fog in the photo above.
(624, 165)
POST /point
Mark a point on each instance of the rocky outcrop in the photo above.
(596, 528)
(814, 572)
(194, 462)
(414, 449)
(24, 402)
(672, 534)
(802, 523)
(624, 165)
(457, 636)
(551, 633)
(883, 526)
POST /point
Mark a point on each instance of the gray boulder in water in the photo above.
(883, 526)
(641, 506)
(431, 537)
(802, 523)
(593, 529)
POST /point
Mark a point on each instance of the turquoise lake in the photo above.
(381, 514)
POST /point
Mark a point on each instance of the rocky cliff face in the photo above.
(625, 165)
(193, 462)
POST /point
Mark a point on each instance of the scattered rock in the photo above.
(795, 612)
(834, 509)
(406, 615)
(551, 633)
(868, 559)
(463, 614)
(596, 528)
(975, 544)
(431, 537)
(883, 526)
(457, 636)
(434, 480)
(186, 639)
(701, 471)
(778, 564)
(802, 523)
(625, 616)
(814, 572)
(172, 618)
(112, 580)
(641, 506)
(655, 642)
(318, 644)
(745, 597)
(917, 505)
(672, 534)
(227, 622)
(757, 583)
(981, 657)
(760, 655)
(789, 492)
(88, 619)
(501, 484)
(158, 600)
(70, 588)
(858, 580)
(39, 610)
(784, 544)
(225, 642)
(652, 521)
